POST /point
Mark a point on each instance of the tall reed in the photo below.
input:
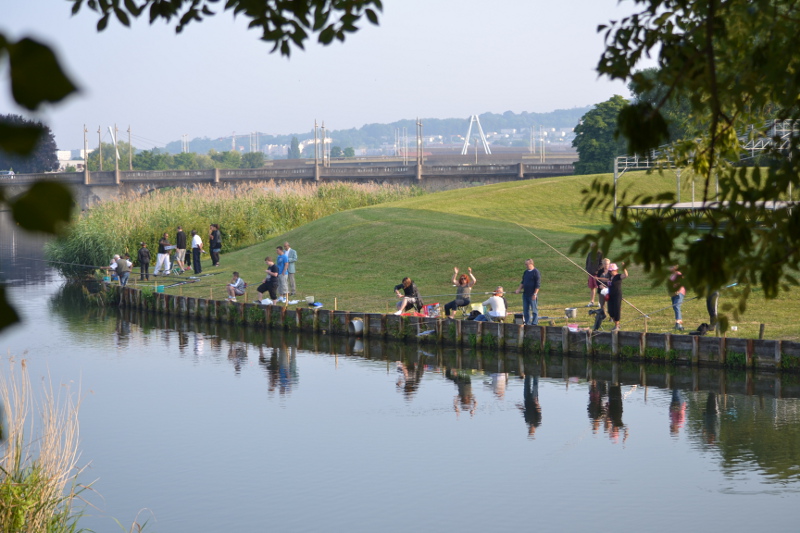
(247, 214)
(38, 467)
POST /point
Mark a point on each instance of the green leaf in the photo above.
(8, 315)
(36, 75)
(46, 206)
(19, 139)
(372, 16)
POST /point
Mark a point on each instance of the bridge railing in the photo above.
(161, 175)
(266, 173)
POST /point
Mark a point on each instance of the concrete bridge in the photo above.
(92, 187)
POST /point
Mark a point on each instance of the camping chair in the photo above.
(465, 310)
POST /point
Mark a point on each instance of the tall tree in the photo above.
(596, 138)
(735, 62)
(294, 149)
(43, 156)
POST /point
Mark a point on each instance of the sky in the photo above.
(427, 59)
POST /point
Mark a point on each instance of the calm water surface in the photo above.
(209, 428)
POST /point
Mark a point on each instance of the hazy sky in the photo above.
(428, 58)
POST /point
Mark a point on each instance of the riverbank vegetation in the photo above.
(39, 459)
(246, 214)
(357, 256)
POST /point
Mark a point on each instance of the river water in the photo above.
(200, 427)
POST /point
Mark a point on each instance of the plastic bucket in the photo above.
(159, 288)
(106, 278)
(571, 312)
(356, 326)
(310, 299)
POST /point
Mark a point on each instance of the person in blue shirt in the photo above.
(283, 272)
(531, 281)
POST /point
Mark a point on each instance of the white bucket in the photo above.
(571, 312)
(356, 326)
(309, 299)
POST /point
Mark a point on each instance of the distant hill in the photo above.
(372, 136)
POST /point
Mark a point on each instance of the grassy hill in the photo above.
(357, 256)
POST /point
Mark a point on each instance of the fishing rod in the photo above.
(688, 300)
(576, 264)
(59, 262)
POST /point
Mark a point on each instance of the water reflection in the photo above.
(747, 419)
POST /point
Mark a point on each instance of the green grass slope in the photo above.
(356, 257)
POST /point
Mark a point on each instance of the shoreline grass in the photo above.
(247, 214)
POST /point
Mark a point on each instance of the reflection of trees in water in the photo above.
(749, 430)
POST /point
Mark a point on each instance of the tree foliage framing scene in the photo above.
(732, 66)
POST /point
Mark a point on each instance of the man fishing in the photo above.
(529, 286)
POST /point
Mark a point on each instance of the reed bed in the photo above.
(247, 214)
(38, 466)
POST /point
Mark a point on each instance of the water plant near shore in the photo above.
(38, 469)
(247, 214)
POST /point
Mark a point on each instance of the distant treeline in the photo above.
(374, 135)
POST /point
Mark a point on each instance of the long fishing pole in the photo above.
(688, 300)
(59, 262)
(574, 263)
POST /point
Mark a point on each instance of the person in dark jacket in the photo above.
(144, 262)
(214, 243)
(408, 294)
(180, 249)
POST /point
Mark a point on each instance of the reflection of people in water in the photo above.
(677, 412)
(237, 355)
(465, 400)
(614, 425)
(409, 378)
(596, 409)
(183, 341)
(531, 410)
(499, 382)
(199, 341)
(281, 368)
(711, 419)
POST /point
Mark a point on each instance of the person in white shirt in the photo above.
(197, 249)
(497, 307)
(235, 287)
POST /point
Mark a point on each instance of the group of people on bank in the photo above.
(279, 282)
(495, 308)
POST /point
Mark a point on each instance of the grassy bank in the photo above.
(247, 214)
(357, 256)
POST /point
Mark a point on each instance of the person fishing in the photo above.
(408, 296)
(678, 293)
(594, 261)
(615, 293)
(603, 278)
(464, 286)
(529, 287)
(144, 261)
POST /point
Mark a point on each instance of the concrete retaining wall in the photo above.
(763, 355)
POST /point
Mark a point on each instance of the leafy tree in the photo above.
(42, 158)
(109, 156)
(596, 138)
(152, 160)
(336, 151)
(675, 109)
(253, 160)
(349, 152)
(229, 159)
(294, 149)
(185, 161)
(734, 63)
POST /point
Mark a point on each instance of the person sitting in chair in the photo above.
(497, 307)
(464, 286)
(409, 296)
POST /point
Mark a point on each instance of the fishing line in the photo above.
(58, 262)
(574, 263)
